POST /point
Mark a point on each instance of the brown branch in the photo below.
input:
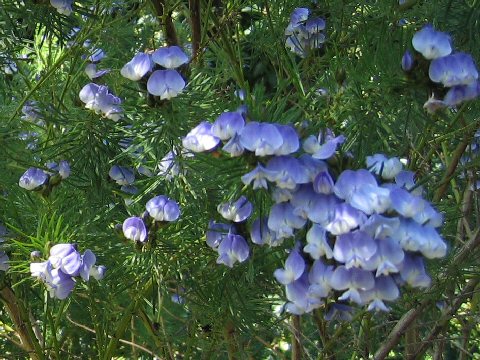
(23, 328)
(165, 16)
(466, 293)
(297, 350)
(408, 318)
(195, 19)
(140, 347)
(450, 171)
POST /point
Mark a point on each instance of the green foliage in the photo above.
(228, 313)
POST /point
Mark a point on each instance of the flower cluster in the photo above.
(36, 179)
(224, 239)
(99, 99)
(304, 33)
(366, 231)
(455, 71)
(64, 264)
(160, 209)
(166, 82)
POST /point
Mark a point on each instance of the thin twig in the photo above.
(86, 328)
(195, 19)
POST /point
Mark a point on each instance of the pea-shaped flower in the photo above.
(201, 138)
(237, 211)
(432, 44)
(33, 178)
(122, 175)
(170, 57)
(161, 208)
(165, 83)
(136, 68)
(134, 229)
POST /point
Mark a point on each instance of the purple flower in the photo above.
(283, 220)
(319, 278)
(93, 73)
(346, 218)
(406, 179)
(260, 233)
(387, 259)
(299, 15)
(294, 268)
(405, 203)
(354, 249)
(161, 208)
(228, 125)
(237, 211)
(259, 176)
(387, 168)
(432, 44)
(315, 25)
(201, 138)
(232, 249)
(300, 301)
(407, 61)
(138, 67)
(317, 243)
(165, 83)
(66, 258)
(289, 171)
(352, 280)
(453, 70)
(134, 229)
(324, 146)
(261, 138)
(384, 289)
(323, 183)
(350, 181)
(99, 99)
(122, 175)
(217, 232)
(59, 284)
(339, 311)
(290, 140)
(460, 93)
(33, 178)
(234, 146)
(412, 271)
(170, 57)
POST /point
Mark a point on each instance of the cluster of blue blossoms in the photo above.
(304, 33)
(36, 179)
(357, 235)
(166, 82)
(160, 209)
(456, 71)
(64, 264)
(99, 99)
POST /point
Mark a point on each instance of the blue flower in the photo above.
(217, 232)
(317, 243)
(33, 179)
(232, 249)
(93, 73)
(134, 229)
(161, 208)
(261, 138)
(170, 57)
(165, 83)
(138, 67)
(99, 99)
(122, 175)
(407, 61)
(237, 211)
(228, 125)
(387, 168)
(324, 146)
(453, 70)
(431, 44)
(460, 93)
(3, 261)
(201, 138)
(294, 268)
(384, 289)
(260, 234)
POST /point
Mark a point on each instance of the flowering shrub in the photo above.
(329, 213)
